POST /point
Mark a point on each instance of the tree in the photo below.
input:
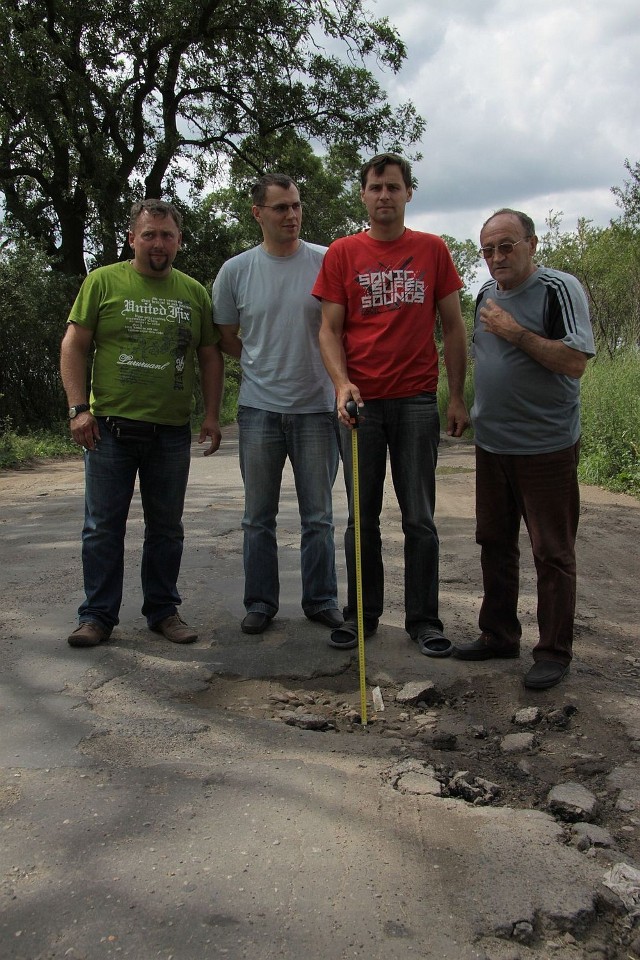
(221, 224)
(628, 196)
(103, 102)
(606, 260)
(466, 258)
(35, 303)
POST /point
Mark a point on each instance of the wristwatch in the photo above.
(79, 408)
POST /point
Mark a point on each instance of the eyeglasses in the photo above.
(282, 208)
(503, 248)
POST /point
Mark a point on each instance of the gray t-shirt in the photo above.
(270, 297)
(520, 407)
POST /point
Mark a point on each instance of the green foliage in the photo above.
(222, 225)
(104, 102)
(610, 449)
(466, 258)
(229, 409)
(628, 196)
(19, 449)
(35, 303)
(606, 260)
(233, 376)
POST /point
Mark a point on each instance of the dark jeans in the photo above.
(409, 429)
(310, 441)
(542, 489)
(162, 466)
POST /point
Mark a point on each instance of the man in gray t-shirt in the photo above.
(532, 339)
(263, 307)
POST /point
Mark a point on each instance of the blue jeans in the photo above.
(310, 441)
(162, 465)
(409, 428)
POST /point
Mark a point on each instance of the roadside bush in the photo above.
(35, 302)
(229, 409)
(18, 449)
(610, 451)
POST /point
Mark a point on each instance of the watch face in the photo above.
(80, 408)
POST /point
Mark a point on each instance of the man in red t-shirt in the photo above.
(380, 290)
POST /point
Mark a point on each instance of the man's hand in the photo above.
(457, 418)
(499, 322)
(346, 393)
(210, 428)
(84, 430)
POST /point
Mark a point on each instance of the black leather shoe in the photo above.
(328, 618)
(544, 674)
(483, 649)
(255, 623)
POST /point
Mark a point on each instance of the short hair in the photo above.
(382, 160)
(526, 221)
(157, 208)
(262, 184)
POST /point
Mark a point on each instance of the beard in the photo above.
(159, 263)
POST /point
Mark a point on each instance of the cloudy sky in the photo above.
(533, 105)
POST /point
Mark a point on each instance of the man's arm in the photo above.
(334, 357)
(212, 382)
(554, 355)
(73, 370)
(230, 342)
(454, 338)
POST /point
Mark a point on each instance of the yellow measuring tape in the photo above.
(352, 410)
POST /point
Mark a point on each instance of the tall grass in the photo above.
(610, 449)
(17, 449)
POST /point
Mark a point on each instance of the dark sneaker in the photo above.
(173, 628)
(88, 634)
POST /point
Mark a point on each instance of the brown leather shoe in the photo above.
(175, 629)
(88, 634)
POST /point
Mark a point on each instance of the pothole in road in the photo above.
(484, 745)
(477, 745)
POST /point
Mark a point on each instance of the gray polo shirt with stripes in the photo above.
(520, 407)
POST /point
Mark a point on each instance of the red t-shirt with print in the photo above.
(390, 289)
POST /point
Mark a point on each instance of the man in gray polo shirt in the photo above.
(531, 342)
(263, 307)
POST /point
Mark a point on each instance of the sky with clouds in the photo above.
(533, 105)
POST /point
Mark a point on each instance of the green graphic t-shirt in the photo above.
(146, 332)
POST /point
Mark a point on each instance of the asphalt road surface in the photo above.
(224, 800)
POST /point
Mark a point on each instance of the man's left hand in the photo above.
(457, 418)
(210, 428)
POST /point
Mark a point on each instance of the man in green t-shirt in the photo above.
(148, 324)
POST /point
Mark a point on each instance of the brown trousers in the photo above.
(543, 490)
